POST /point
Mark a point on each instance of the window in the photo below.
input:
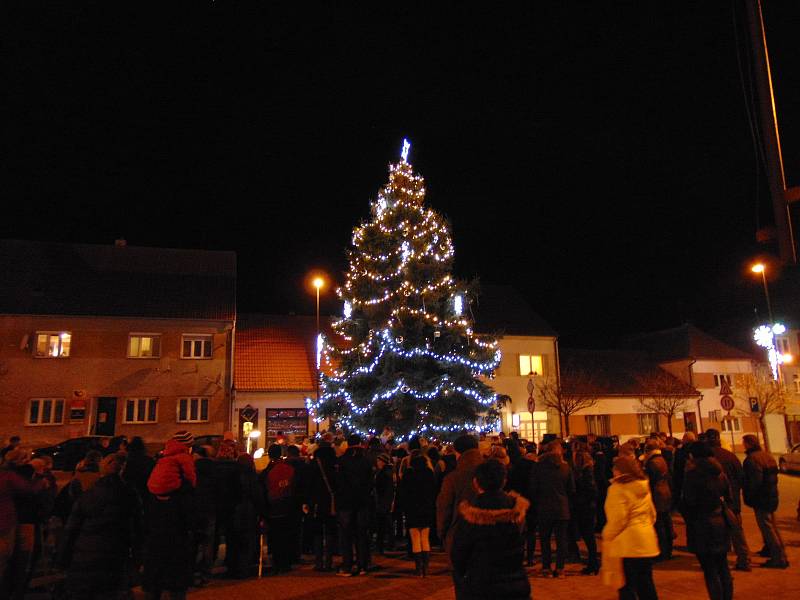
(197, 346)
(141, 410)
(648, 423)
(46, 411)
(192, 410)
(720, 377)
(598, 424)
(144, 345)
(796, 380)
(52, 344)
(530, 364)
(730, 423)
(783, 345)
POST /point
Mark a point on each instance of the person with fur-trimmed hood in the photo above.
(488, 545)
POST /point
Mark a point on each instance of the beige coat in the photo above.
(630, 514)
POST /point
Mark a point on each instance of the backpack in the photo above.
(280, 483)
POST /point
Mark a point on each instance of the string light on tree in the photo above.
(764, 336)
(405, 353)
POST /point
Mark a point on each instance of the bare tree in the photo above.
(577, 390)
(665, 395)
(768, 393)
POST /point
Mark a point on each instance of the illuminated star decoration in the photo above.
(406, 148)
(764, 336)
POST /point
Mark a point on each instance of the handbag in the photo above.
(328, 485)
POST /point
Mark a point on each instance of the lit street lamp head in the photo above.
(758, 268)
(318, 282)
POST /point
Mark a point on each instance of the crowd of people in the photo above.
(126, 518)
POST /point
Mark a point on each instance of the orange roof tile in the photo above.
(275, 353)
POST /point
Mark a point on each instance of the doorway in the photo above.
(690, 421)
(106, 416)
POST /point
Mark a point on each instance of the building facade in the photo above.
(275, 371)
(114, 340)
(529, 349)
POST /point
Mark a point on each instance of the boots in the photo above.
(418, 563)
(426, 561)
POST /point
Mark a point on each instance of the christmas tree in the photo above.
(404, 353)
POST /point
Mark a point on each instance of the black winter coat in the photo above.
(384, 489)
(585, 501)
(704, 482)
(103, 529)
(657, 470)
(354, 480)
(552, 488)
(760, 481)
(488, 547)
(733, 471)
(318, 498)
(418, 497)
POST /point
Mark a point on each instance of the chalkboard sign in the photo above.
(288, 420)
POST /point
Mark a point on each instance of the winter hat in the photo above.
(385, 458)
(184, 437)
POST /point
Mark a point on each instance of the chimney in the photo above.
(121, 243)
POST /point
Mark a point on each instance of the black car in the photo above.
(67, 454)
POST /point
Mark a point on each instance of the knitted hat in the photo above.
(385, 458)
(184, 437)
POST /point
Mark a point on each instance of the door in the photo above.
(106, 417)
(690, 421)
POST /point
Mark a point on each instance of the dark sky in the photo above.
(597, 156)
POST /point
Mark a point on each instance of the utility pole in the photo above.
(771, 142)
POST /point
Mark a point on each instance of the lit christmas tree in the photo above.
(406, 355)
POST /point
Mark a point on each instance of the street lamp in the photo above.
(318, 282)
(760, 268)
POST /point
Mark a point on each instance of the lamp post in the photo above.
(318, 283)
(760, 268)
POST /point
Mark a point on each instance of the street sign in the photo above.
(724, 386)
(727, 403)
(754, 407)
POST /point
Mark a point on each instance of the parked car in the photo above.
(790, 461)
(67, 454)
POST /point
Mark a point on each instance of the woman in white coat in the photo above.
(629, 536)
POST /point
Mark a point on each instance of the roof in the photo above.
(49, 278)
(617, 373)
(684, 342)
(502, 310)
(275, 353)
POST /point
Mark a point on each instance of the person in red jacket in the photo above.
(175, 467)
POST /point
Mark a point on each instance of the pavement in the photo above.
(678, 578)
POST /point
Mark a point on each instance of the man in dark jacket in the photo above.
(488, 545)
(733, 471)
(353, 495)
(384, 501)
(657, 471)
(457, 488)
(553, 487)
(761, 493)
(102, 531)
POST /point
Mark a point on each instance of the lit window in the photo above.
(192, 410)
(648, 423)
(598, 424)
(197, 346)
(141, 410)
(144, 345)
(730, 423)
(52, 344)
(45, 411)
(796, 380)
(530, 364)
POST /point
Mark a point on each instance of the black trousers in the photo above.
(353, 525)
(586, 525)
(664, 533)
(717, 575)
(546, 529)
(638, 580)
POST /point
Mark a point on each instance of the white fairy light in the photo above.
(458, 304)
(348, 310)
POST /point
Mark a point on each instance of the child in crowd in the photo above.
(175, 467)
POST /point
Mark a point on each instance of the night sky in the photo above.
(597, 156)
